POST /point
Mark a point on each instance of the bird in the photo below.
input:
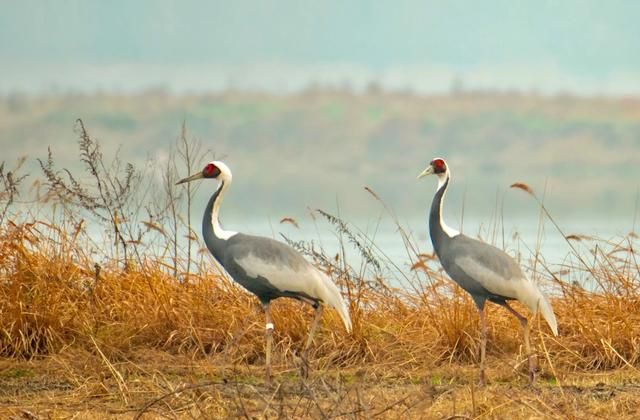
(265, 267)
(484, 271)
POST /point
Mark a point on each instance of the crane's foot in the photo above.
(482, 381)
(304, 365)
(532, 374)
(267, 379)
(532, 369)
(304, 370)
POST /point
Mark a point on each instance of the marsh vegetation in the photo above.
(111, 307)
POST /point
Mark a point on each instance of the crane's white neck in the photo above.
(442, 180)
(218, 231)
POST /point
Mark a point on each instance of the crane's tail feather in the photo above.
(331, 296)
(533, 299)
(547, 313)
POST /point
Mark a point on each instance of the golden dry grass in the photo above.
(80, 342)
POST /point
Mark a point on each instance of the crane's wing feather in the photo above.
(493, 282)
(487, 265)
(266, 266)
(283, 267)
(484, 265)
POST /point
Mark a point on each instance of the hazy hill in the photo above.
(321, 147)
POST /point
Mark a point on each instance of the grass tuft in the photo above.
(131, 326)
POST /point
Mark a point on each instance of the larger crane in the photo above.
(267, 268)
(484, 271)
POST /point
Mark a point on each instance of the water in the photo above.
(521, 238)
(534, 244)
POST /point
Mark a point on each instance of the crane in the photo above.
(265, 267)
(484, 271)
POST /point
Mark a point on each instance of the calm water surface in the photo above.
(520, 238)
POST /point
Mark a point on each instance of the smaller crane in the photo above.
(484, 271)
(267, 268)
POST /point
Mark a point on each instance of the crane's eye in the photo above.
(211, 171)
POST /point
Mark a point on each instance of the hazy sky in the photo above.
(586, 46)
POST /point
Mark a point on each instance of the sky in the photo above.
(584, 47)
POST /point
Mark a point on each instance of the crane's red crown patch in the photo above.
(438, 166)
(211, 170)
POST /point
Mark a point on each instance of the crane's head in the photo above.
(215, 169)
(437, 166)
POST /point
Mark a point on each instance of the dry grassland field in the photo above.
(111, 307)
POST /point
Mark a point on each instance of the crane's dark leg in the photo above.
(269, 341)
(312, 330)
(527, 344)
(483, 345)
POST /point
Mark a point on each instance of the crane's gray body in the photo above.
(269, 269)
(484, 271)
(466, 260)
(239, 247)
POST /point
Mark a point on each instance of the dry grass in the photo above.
(101, 342)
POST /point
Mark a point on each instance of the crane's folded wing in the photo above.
(282, 276)
(497, 282)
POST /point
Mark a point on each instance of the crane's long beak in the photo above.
(190, 178)
(427, 171)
